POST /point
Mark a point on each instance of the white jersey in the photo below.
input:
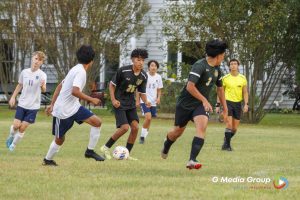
(153, 83)
(66, 104)
(31, 92)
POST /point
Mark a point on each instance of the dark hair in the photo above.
(215, 47)
(151, 61)
(139, 53)
(85, 54)
(234, 60)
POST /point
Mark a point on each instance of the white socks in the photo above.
(17, 138)
(94, 137)
(53, 149)
(144, 132)
(12, 132)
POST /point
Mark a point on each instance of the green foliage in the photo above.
(261, 34)
(170, 93)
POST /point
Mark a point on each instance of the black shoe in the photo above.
(92, 154)
(49, 162)
(142, 140)
(226, 147)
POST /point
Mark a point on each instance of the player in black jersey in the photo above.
(122, 92)
(192, 103)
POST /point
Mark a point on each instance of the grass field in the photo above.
(260, 151)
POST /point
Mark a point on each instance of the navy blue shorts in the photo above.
(61, 126)
(152, 109)
(183, 116)
(125, 116)
(26, 115)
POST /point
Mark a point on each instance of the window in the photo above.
(6, 60)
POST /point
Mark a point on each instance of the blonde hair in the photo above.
(41, 55)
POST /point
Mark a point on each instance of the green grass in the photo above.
(261, 151)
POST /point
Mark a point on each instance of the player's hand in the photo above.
(158, 101)
(116, 103)
(246, 108)
(207, 107)
(148, 104)
(49, 110)
(12, 102)
(225, 114)
(95, 101)
(137, 104)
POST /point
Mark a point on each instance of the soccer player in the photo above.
(235, 87)
(32, 82)
(192, 103)
(153, 92)
(66, 108)
(122, 93)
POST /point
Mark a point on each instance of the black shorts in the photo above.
(183, 116)
(234, 109)
(125, 116)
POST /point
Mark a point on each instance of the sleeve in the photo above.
(142, 87)
(79, 80)
(160, 83)
(21, 77)
(44, 77)
(219, 82)
(196, 73)
(116, 79)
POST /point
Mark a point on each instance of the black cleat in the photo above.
(49, 162)
(226, 147)
(142, 140)
(92, 154)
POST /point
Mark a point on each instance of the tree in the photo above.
(259, 33)
(60, 27)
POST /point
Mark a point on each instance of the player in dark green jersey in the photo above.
(122, 89)
(192, 104)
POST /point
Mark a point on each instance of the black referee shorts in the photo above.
(234, 109)
(183, 116)
(125, 116)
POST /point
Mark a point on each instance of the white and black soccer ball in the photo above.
(120, 153)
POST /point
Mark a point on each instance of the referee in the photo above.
(235, 86)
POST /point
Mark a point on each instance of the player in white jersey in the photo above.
(32, 81)
(153, 92)
(66, 108)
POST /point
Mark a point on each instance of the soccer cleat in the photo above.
(132, 158)
(92, 154)
(49, 162)
(9, 141)
(193, 164)
(163, 155)
(142, 140)
(11, 147)
(226, 147)
(105, 151)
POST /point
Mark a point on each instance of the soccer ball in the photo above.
(120, 153)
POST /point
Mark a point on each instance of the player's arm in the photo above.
(43, 84)
(246, 98)
(221, 97)
(191, 88)
(158, 95)
(54, 97)
(77, 93)
(137, 99)
(114, 101)
(145, 100)
(12, 100)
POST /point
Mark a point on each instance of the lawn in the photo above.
(261, 151)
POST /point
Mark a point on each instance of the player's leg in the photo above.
(59, 129)
(95, 122)
(146, 124)
(200, 118)
(122, 127)
(13, 131)
(236, 119)
(228, 129)
(182, 117)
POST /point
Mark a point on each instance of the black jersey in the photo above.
(204, 76)
(126, 82)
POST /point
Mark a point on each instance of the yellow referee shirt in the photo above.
(233, 86)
